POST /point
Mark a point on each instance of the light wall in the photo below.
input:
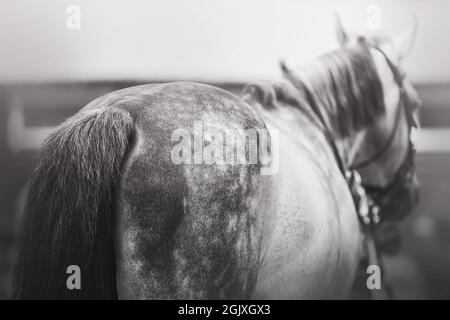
(227, 40)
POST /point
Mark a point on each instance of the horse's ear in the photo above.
(404, 41)
(284, 68)
(341, 34)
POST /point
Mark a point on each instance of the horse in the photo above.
(109, 195)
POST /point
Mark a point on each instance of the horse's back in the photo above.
(315, 242)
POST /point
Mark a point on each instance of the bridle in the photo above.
(404, 105)
(370, 200)
(405, 172)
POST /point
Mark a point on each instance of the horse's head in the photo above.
(384, 152)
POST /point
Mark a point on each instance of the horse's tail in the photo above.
(68, 216)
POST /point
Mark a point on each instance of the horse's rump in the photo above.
(188, 230)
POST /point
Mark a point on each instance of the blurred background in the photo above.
(56, 56)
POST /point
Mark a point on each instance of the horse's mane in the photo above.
(342, 88)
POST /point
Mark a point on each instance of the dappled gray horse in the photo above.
(110, 194)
